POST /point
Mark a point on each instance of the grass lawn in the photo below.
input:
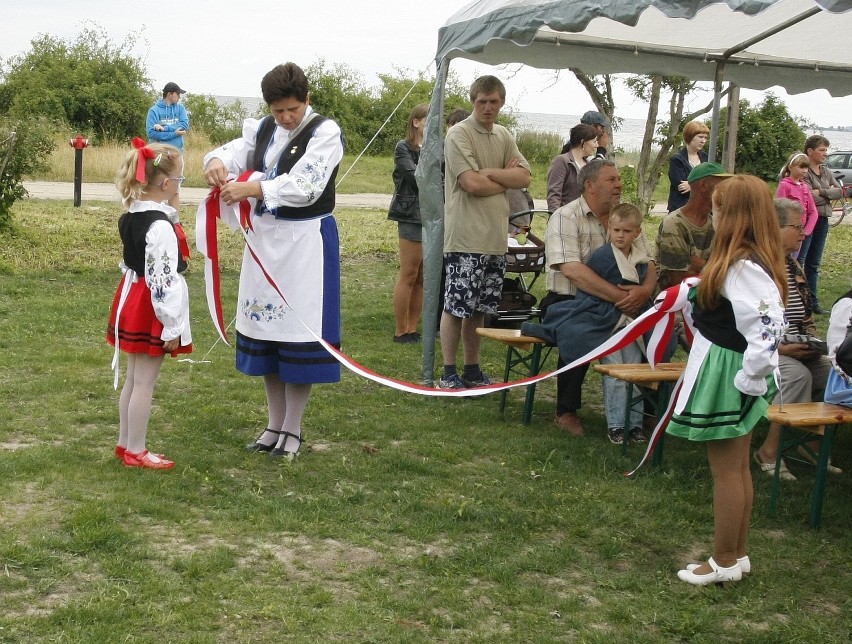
(404, 519)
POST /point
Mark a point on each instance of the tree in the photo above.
(401, 92)
(221, 123)
(658, 132)
(24, 148)
(93, 85)
(767, 135)
(600, 91)
(340, 93)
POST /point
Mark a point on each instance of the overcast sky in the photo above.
(224, 48)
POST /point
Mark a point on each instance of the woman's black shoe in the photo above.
(256, 446)
(281, 451)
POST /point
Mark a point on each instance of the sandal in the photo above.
(808, 456)
(769, 468)
(257, 446)
(283, 451)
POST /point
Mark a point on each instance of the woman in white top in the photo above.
(296, 238)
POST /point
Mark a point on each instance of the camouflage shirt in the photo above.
(677, 240)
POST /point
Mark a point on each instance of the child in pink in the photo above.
(792, 186)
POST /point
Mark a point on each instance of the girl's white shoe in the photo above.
(718, 574)
(744, 563)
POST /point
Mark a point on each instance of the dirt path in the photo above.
(194, 196)
(189, 196)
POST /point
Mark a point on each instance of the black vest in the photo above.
(295, 150)
(719, 325)
(132, 227)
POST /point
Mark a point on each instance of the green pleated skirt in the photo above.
(715, 408)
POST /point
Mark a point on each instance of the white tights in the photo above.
(134, 404)
(286, 402)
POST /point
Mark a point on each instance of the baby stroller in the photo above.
(524, 263)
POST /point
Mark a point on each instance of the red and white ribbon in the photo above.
(206, 240)
(660, 317)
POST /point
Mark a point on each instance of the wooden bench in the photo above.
(654, 384)
(525, 355)
(818, 421)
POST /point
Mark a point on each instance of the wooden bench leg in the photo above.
(532, 364)
(818, 492)
(664, 392)
(821, 473)
(529, 399)
(506, 372)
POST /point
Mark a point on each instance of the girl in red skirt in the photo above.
(150, 311)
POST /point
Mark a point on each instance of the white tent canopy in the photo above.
(799, 45)
(674, 38)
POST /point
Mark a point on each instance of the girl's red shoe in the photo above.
(119, 452)
(146, 460)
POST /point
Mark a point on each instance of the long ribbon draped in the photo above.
(207, 242)
(183, 244)
(660, 318)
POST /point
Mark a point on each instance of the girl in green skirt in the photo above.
(728, 382)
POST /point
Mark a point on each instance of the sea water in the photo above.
(628, 136)
(630, 132)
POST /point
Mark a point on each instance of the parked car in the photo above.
(840, 163)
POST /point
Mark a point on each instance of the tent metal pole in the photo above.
(771, 32)
(729, 146)
(727, 54)
(714, 119)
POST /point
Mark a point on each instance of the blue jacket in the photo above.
(172, 118)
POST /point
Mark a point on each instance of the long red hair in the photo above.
(746, 228)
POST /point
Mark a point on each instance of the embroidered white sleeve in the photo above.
(759, 315)
(304, 184)
(161, 276)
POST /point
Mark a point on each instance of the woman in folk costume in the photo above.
(728, 381)
(296, 239)
(150, 311)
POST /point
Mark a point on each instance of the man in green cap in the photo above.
(685, 234)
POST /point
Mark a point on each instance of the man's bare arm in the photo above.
(512, 176)
(479, 185)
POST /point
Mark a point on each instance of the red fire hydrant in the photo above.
(79, 143)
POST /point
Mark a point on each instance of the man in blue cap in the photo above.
(601, 125)
(168, 122)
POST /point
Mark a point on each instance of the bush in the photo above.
(24, 148)
(539, 147)
(97, 87)
(766, 136)
(218, 122)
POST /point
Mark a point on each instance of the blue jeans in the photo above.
(616, 391)
(810, 256)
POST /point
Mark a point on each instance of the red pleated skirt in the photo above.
(139, 329)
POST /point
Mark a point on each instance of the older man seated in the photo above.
(804, 369)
